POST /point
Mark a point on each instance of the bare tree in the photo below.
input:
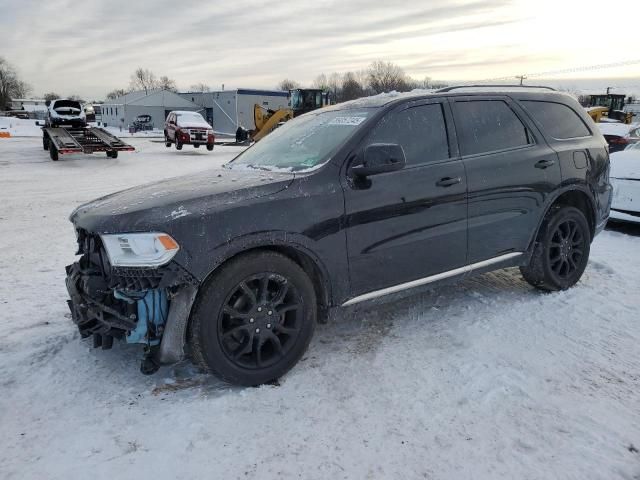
(287, 85)
(200, 87)
(143, 79)
(334, 85)
(118, 92)
(76, 98)
(166, 83)
(10, 85)
(386, 77)
(362, 77)
(51, 96)
(351, 88)
(321, 82)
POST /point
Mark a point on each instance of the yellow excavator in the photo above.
(301, 100)
(609, 105)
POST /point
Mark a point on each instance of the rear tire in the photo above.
(113, 154)
(53, 152)
(178, 145)
(167, 142)
(254, 319)
(210, 147)
(45, 142)
(561, 251)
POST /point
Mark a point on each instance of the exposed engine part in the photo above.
(131, 303)
(153, 310)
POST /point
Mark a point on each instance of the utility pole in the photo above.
(522, 78)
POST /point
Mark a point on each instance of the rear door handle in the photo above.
(448, 181)
(544, 163)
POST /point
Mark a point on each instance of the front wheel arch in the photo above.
(311, 266)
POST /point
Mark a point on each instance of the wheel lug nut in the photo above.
(268, 325)
(257, 330)
(259, 309)
(251, 320)
(269, 312)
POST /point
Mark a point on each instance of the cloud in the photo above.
(91, 47)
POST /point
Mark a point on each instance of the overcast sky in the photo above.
(90, 47)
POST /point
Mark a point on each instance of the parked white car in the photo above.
(625, 179)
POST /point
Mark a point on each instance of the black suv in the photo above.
(342, 205)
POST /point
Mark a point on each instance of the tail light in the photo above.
(619, 140)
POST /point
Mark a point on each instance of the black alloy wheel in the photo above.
(260, 320)
(561, 250)
(253, 318)
(566, 248)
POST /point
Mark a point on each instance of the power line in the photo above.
(602, 66)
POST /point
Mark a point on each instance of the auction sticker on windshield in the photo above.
(347, 121)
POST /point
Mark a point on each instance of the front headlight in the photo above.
(139, 249)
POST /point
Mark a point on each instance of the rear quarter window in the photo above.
(558, 120)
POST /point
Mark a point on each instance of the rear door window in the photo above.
(560, 121)
(488, 126)
(420, 130)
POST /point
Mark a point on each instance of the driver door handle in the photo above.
(544, 163)
(448, 181)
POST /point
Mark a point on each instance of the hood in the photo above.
(625, 164)
(154, 205)
(195, 125)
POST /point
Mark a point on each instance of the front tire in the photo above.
(210, 147)
(254, 319)
(45, 142)
(561, 251)
(167, 141)
(178, 145)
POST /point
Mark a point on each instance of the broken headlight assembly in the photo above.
(139, 249)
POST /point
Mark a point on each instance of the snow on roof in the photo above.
(153, 98)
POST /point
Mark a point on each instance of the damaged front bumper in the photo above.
(149, 306)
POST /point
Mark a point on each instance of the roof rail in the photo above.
(448, 89)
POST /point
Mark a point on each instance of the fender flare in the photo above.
(573, 187)
(222, 253)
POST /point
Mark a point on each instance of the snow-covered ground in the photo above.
(487, 379)
(19, 127)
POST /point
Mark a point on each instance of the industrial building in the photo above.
(228, 109)
(123, 111)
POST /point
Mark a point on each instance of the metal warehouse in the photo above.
(228, 109)
(123, 111)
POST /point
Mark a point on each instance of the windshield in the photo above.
(303, 143)
(67, 105)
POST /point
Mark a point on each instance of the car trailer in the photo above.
(66, 140)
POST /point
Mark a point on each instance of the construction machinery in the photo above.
(301, 100)
(608, 105)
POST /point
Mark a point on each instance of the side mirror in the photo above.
(381, 158)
